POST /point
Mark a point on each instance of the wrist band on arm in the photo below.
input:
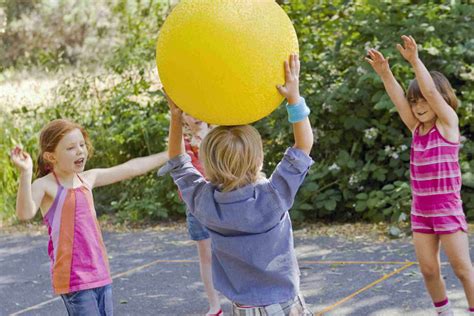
(297, 112)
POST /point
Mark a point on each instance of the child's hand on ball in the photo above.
(174, 109)
(291, 89)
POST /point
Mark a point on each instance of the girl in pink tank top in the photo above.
(63, 191)
(437, 217)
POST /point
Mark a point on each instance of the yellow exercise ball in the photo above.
(220, 60)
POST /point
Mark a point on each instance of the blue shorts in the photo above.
(196, 230)
(93, 302)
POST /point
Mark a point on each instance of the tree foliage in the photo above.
(362, 149)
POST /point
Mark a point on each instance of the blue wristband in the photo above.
(297, 112)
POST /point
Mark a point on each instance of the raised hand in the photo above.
(409, 50)
(378, 62)
(175, 110)
(291, 89)
(21, 159)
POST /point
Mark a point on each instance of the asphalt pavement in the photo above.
(157, 273)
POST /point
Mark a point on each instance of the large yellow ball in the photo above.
(220, 60)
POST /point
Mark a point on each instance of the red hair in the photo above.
(50, 136)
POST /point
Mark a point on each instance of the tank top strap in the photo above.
(84, 182)
(56, 178)
(80, 178)
(414, 131)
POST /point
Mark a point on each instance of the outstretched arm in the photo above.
(393, 88)
(302, 130)
(443, 111)
(29, 195)
(130, 169)
(142, 165)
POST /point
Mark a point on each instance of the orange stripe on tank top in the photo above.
(63, 260)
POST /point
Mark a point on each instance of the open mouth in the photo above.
(79, 162)
(421, 113)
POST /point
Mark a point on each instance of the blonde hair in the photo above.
(442, 85)
(50, 136)
(232, 156)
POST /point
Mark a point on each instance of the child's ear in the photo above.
(49, 157)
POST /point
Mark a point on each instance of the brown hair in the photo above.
(442, 85)
(49, 138)
(232, 156)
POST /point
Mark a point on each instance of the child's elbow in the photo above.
(22, 216)
(308, 145)
(304, 147)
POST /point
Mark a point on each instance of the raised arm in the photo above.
(302, 130)
(393, 88)
(29, 195)
(443, 111)
(175, 139)
(130, 169)
(189, 180)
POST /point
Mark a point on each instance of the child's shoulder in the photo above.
(88, 177)
(47, 180)
(46, 184)
(47, 188)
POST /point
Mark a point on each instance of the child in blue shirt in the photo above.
(253, 259)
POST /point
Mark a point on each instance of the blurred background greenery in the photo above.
(93, 61)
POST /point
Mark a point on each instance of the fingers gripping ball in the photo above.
(220, 60)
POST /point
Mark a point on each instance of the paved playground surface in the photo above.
(157, 273)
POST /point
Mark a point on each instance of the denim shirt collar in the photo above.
(240, 194)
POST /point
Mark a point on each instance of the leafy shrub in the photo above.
(362, 150)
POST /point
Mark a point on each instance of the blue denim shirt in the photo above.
(253, 258)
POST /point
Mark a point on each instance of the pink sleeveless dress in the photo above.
(78, 257)
(435, 184)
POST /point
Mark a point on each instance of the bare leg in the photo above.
(456, 247)
(204, 251)
(427, 253)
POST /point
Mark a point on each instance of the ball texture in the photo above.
(220, 60)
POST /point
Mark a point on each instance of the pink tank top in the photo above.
(78, 257)
(435, 175)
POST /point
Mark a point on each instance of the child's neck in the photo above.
(67, 179)
(426, 126)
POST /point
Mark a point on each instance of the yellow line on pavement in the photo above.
(121, 274)
(35, 306)
(144, 266)
(365, 288)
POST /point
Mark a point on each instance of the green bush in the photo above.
(362, 148)
(54, 34)
(12, 133)
(125, 120)
(362, 153)
(140, 23)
